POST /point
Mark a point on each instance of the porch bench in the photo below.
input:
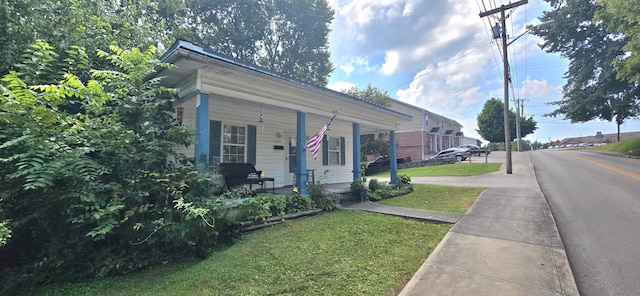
(236, 174)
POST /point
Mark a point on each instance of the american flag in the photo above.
(314, 143)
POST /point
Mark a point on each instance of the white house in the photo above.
(246, 113)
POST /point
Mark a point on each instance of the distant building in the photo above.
(427, 134)
(599, 137)
(471, 141)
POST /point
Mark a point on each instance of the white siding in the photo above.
(278, 123)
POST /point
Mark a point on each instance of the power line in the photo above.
(507, 136)
(440, 67)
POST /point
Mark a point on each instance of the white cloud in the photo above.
(391, 59)
(534, 88)
(440, 55)
(348, 68)
(340, 86)
(449, 86)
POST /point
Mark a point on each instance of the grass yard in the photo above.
(456, 200)
(456, 169)
(629, 147)
(337, 253)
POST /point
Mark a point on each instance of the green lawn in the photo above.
(456, 169)
(455, 200)
(629, 147)
(338, 253)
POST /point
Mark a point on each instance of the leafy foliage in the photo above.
(323, 199)
(593, 89)
(624, 17)
(5, 232)
(298, 203)
(404, 179)
(374, 185)
(384, 191)
(290, 37)
(491, 122)
(371, 94)
(375, 144)
(263, 206)
(88, 164)
(282, 35)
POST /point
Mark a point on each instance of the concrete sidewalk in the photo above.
(506, 244)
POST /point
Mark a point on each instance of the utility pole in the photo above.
(507, 132)
(517, 101)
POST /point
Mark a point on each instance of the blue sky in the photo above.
(439, 55)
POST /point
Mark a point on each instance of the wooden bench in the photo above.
(236, 174)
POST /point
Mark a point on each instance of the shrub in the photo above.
(298, 203)
(91, 181)
(238, 193)
(323, 199)
(404, 179)
(386, 191)
(356, 186)
(263, 206)
(374, 185)
(5, 232)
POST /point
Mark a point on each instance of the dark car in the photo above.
(382, 164)
(460, 154)
(475, 150)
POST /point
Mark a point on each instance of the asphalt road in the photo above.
(595, 200)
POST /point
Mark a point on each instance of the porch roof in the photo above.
(202, 70)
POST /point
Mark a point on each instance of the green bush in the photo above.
(298, 203)
(238, 192)
(356, 186)
(89, 173)
(5, 232)
(386, 191)
(374, 185)
(404, 179)
(323, 199)
(263, 206)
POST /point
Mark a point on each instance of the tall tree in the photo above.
(287, 36)
(376, 144)
(282, 35)
(91, 24)
(371, 94)
(491, 122)
(624, 16)
(593, 89)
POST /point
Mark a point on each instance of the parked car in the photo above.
(459, 153)
(475, 150)
(382, 164)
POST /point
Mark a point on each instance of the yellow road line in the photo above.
(606, 166)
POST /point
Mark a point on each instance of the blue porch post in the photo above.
(202, 131)
(393, 163)
(357, 158)
(301, 154)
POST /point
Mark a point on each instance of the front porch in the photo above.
(247, 114)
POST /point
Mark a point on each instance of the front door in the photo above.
(290, 160)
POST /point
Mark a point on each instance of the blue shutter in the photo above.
(251, 144)
(342, 154)
(325, 150)
(215, 139)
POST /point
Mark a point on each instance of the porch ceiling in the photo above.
(220, 76)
